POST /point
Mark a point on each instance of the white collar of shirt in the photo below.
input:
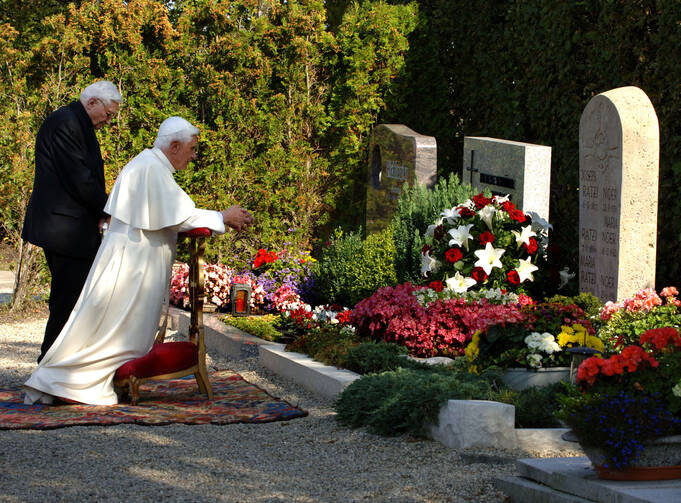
(162, 157)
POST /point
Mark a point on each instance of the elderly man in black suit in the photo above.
(65, 213)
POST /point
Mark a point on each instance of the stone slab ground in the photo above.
(573, 480)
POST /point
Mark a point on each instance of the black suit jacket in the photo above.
(68, 191)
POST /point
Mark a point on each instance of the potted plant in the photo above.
(625, 411)
(533, 351)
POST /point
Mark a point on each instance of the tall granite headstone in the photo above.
(519, 170)
(619, 149)
(396, 155)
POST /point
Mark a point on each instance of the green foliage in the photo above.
(284, 104)
(535, 407)
(417, 208)
(538, 90)
(589, 303)
(371, 357)
(404, 400)
(259, 326)
(625, 327)
(327, 343)
(350, 268)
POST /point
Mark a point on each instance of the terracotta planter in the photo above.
(519, 378)
(660, 460)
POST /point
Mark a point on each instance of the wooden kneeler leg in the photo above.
(134, 386)
(203, 381)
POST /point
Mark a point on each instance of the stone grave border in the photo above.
(329, 381)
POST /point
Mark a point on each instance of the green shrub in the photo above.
(328, 344)
(351, 269)
(371, 357)
(589, 303)
(535, 407)
(259, 326)
(404, 400)
(417, 208)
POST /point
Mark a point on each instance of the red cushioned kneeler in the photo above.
(168, 360)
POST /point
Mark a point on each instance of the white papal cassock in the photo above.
(117, 314)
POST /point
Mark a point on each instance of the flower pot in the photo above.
(520, 378)
(660, 460)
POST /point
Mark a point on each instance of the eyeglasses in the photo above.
(109, 113)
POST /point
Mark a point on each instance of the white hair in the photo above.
(174, 129)
(102, 90)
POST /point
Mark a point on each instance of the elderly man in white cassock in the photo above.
(117, 314)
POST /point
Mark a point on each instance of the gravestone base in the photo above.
(573, 480)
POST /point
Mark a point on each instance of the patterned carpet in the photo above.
(162, 402)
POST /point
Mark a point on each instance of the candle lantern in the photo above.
(241, 299)
(579, 354)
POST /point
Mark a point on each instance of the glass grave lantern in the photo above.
(240, 296)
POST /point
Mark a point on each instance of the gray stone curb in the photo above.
(329, 381)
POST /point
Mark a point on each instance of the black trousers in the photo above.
(68, 277)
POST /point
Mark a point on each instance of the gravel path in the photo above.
(311, 459)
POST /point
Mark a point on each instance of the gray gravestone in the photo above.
(396, 155)
(619, 147)
(520, 170)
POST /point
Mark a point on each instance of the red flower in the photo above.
(465, 212)
(481, 201)
(531, 247)
(589, 370)
(517, 215)
(453, 255)
(486, 237)
(479, 274)
(438, 232)
(426, 249)
(507, 206)
(513, 277)
(438, 286)
(661, 338)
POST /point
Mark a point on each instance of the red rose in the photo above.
(438, 286)
(479, 274)
(425, 249)
(531, 247)
(481, 201)
(453, 255)
(439, 232)
(517, 215)
(465, 212)
(487, 237)
(507, 206)
(513, 277)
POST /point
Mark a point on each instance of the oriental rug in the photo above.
(161, 402)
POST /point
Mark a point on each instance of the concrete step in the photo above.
(576, 478)
(520, 490)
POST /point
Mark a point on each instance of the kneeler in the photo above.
(169, 360)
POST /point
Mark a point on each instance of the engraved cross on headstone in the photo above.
(471, 168)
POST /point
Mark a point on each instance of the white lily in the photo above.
(451, 214)
(459, 283)
(489, 258)
(460, 236)
(525, 269)
(565, 277)
(524, 236)
(428, 263)
(487, 215)
(538, 223)
(500, 200)
(468, 203)
(431, 228)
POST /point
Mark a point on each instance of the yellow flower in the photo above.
(473, 349)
